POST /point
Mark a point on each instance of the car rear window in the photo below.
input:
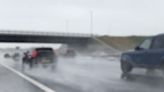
(44, 49)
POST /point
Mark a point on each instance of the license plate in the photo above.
(45, 61)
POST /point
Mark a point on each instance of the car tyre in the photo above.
(126, 67)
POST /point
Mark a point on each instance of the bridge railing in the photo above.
(24, 32)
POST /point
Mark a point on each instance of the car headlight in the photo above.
(124, 58)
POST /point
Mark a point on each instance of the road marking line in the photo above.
(34, 82)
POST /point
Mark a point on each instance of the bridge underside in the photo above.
(43, 39)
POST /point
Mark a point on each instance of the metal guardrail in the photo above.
(24, 32)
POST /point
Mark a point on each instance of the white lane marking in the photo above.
(34, 82)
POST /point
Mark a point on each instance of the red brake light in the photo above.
(34, 53)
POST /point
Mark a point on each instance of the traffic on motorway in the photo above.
(81, 46)
(64, 68)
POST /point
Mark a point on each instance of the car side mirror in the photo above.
(138, 48)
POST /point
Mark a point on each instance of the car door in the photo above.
(141, 55)
(155, 55)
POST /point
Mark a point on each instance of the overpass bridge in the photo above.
(72, 40)
(77, 41)
(43, 37)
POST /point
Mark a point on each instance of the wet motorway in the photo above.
(85, 74)
(10, 82)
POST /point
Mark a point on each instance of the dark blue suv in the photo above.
(149, 55)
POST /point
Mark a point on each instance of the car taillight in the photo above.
(34, 53)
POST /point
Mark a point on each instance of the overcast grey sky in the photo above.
(111, 17)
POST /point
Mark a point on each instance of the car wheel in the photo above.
(126, 67)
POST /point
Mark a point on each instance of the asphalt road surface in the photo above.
(10, 82)
(92, 74)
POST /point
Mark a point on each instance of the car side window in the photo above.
(146, 44)
(158, 43)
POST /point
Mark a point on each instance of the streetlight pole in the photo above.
(67, 26)
(91, 22)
